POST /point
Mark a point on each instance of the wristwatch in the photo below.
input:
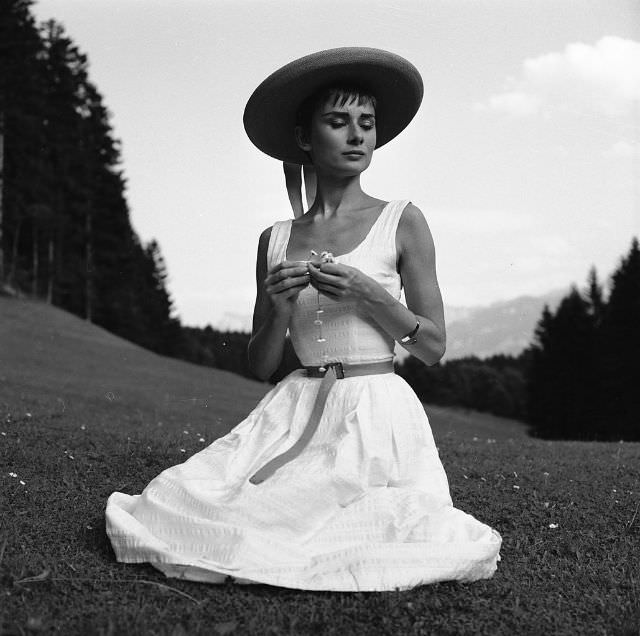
(410, 338)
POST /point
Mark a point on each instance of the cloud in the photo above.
(603, 78)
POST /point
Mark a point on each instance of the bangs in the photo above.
(346, 95)
(339, 95)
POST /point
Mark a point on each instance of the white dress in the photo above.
(364, 507)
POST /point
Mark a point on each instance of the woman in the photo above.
(333, 482)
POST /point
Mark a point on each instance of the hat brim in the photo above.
(270, 114)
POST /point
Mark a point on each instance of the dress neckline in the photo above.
(357, 247)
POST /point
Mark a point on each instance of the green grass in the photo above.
(83, 413)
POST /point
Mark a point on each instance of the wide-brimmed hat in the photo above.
(270, 114)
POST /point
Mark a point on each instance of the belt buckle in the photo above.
(339, 369)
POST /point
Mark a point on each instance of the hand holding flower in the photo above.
(342, 282)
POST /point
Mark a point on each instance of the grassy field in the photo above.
(83, 413)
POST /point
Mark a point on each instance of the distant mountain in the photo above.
(502, 327)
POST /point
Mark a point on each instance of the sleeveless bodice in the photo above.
(350, 335)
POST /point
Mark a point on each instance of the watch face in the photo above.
(409, 338)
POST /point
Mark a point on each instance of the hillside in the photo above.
(57, 364)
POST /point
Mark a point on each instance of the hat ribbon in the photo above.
(294, 175)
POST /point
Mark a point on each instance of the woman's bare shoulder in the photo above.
(412, 214)
(413, 229)
(265, 235)
(263, 244)
(412, 219)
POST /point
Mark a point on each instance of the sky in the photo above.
(524, 156)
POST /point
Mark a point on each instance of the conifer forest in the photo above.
(66, 238)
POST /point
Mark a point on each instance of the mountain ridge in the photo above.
(503, 327)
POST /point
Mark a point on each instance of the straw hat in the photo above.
(270, 114)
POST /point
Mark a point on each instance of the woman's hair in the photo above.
(341, 95)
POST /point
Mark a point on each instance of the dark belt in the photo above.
(329, 373)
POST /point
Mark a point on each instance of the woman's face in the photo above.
(341, 138)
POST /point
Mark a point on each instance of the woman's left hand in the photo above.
(342, 282)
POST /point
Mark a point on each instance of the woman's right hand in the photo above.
(284, 282)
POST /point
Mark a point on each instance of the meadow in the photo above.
(84, 413)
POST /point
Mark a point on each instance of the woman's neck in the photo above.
(338, 195)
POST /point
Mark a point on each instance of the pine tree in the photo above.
(541, 397)
(595, 296)
(21, 101)
(621, 349)
(560, 403)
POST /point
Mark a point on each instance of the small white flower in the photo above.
(70, 456)
(186, 432)
(465, 476)
(14, 475)
(614, 490)
(553, 526)
(475, 439)
(545, 473)
(182, 450)
(4, 433)
(22, 483)
(516, 487)
(28, 414)
(201, 439)
(546, 504)
(83, 427)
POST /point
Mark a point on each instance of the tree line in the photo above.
(584, 368)
(65, 231)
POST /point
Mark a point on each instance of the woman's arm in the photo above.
(417, 269)
(276, 293)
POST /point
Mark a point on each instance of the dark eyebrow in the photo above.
(339, 113)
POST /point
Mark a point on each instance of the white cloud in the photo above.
(603, 78)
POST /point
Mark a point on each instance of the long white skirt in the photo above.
(364, 507)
